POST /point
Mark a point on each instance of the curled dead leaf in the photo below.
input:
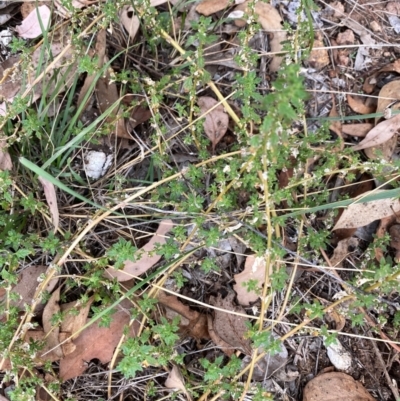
(335, 386)
(216, 121)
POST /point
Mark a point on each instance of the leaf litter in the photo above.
(73, 347)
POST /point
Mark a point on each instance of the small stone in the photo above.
(345, 38)
(375, 27)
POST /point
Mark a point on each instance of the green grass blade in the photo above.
(390, 193)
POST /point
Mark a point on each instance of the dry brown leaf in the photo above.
(52, 332)
(129, 20)
(175, 381)
(147, 261)
(97, 342)
(208, 7)
(336, 126)
(359, 130)
(394, 233)
(72, 323)
(28, 281)
(31, 25)
(216, 121)
(217, 340)
(319, 56)
(51, 198)
(107, 94)
(335, 386)
(382, 229)
(254, 269)
(271, 21)
(100, 51)
(230, 328)
(139, 114)
(192, 323)
(5, 159)
(46, 354)
(370, 83)
(358, 105)
(342, 251)
(333, 315)
(380, 134)
(363, 213)
(387, 93)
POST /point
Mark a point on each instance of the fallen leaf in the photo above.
(100, 51)
(56, 79)
(46, 354)
(216, 121)
(319, 56)
(107, 94)
(230, 328)
(271, 21)
(363, 213)
(358, 105)
(28, 281)
(364, 185)
(382, 229)
(371, 81)
(129, 20)
(332, 315)
(31, 26)
(394, 233)
(359, 130)
(175, 381)
(5, 159)
(147, 260)
(387, 93)
(51, 198)
(380, 134)
(208, 7)
(270, 364)
(192, 323)
(335, 386)
(97, 342)
(52, 332)
(254, 269)
(72, 323)
(336, 126)
(341, 251)
(225, 347)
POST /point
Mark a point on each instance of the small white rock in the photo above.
(96, 163)
(339, 356)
